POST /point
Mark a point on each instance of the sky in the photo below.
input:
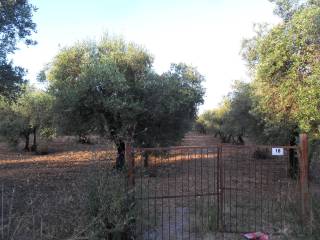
(204, 33)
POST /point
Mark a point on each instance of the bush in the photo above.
(111, 209)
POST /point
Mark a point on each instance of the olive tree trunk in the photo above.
(120, 161)
(27, 141)
(34, 145)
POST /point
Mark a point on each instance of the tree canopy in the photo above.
(284, 61)
(109, 87)
(15, 24)
(30, 114)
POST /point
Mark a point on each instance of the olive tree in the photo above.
(30, 114)
(285, 68)
(109, 87)
(284, 63)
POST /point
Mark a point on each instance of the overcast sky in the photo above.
(204, 33)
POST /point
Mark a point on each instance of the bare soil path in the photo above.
(197, 139)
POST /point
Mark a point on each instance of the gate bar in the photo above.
(304, 173)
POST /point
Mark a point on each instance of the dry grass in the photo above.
(44, 197)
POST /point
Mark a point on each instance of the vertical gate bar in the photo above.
(220, 180)
(162, 194)
(236, 190)
(249, 195)
(304, 186)
(221, 189)
(144, 200)
(231, 160)
(240, 175)
(223, 184)
(281, 210)
(169, 202)
(201, 190)
(260, 194)
(195, 189)
(218, 189)
(155, 193)
(175, 193)
(255, 194)
(182, 185)
(208, 190)
(273, 197)
(215, 182)
(148, 204)
(267, 196)
(288, 188)
(141, 197)
(189, 194)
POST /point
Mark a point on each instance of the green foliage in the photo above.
(205, 122)
(233, 119)
(171, 106)
(286, 8)
(15, 24)
(285, 66)
(109, 87)
(11, 80)
(32, 111)
(239, 119)
(36, 107)
(111, 209)
(12, 123)
(217, 121)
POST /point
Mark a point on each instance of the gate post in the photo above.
(304, 178)
(130, 160)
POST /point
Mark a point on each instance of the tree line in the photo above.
(283, 97)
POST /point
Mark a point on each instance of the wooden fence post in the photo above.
(304, 178)
(130, 160)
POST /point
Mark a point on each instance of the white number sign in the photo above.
(277, 151)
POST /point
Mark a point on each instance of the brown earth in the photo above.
(44, 193)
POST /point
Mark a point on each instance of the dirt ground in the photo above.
(42, 195)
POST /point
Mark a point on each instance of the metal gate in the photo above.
(256, 186)
(196, 192)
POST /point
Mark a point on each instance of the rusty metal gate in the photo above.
(256, 186)
(196, 192)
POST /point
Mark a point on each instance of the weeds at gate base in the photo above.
(111, 208)
(205, 210)
(296, 228)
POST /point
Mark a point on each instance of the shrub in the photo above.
(111, 208)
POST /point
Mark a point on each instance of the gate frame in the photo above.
(303, 178)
